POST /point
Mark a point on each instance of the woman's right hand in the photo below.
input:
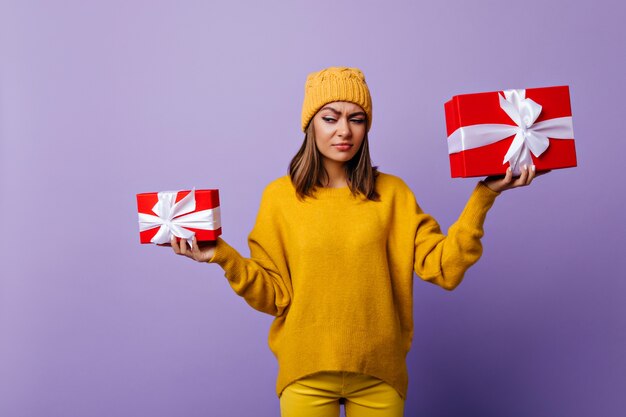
(202, 252)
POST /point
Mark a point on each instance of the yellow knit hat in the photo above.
(335, 84)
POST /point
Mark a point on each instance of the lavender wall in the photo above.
(102, 100)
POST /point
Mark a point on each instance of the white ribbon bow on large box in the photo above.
(173, 217)
(529, 136)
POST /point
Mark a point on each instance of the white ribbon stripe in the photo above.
(172, 218)
(529, 136)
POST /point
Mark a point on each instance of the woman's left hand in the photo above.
(500, 183)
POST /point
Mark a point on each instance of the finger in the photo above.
(523, 176)
(531, 174)
(508, 176)
(175, 245)
(183, 247)
(195, 249)
(188, 247)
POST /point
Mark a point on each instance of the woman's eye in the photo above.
(331, 119)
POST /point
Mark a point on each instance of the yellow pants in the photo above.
(319, 395)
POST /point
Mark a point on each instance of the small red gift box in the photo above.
(179, 213)
(488, 132)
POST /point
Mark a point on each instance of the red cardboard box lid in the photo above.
(206, 214)
(468, 115)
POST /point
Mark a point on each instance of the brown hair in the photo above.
(307, 171)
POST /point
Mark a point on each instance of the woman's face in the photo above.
(339, 129)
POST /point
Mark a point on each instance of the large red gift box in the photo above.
(488, 132)
(179, 213)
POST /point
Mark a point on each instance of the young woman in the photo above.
(332, 257)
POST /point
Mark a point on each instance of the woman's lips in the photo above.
(343, 146)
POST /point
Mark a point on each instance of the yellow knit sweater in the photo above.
(336, 271)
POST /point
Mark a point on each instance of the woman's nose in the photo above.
(343, 128)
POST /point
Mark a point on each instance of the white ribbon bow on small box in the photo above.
(173, 217)
(529, 136)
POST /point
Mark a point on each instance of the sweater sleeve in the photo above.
(263, 279)
(443, 260)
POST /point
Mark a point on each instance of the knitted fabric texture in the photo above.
(335, 84)
(336, 272)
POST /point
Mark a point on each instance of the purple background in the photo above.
(103, 100)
